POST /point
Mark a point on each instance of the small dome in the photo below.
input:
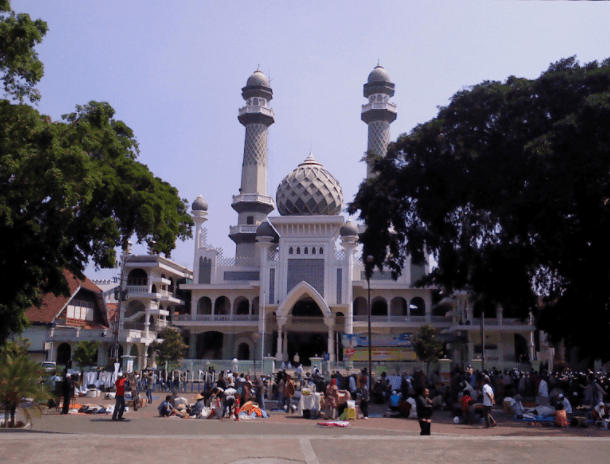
(265, 230)
(379, 75)
(258, 79)
(349, 229)
(309, 190)
(200, 204)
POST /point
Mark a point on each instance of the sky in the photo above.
(174, 70)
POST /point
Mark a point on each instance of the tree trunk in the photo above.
(13, 409)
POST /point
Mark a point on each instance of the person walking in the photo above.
(424, 411)
(119, 407)
(488, 402)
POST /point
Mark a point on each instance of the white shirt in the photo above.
(487, 394)
(543, 389)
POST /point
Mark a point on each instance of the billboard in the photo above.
(397, 347)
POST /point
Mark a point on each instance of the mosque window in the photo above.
(290, 250)
(313, 250)
(321, 250)
(298, 250)
(306, 250)
(250, 220)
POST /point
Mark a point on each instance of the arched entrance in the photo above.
(64, 354)
(308, 335)
(243, 351)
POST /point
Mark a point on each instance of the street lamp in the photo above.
(368, 270)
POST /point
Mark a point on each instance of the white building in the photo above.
(296, 283)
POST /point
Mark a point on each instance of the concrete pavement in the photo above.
(287, 439)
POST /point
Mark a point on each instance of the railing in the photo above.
(253, 198)
(217, 317)
(404, 319)
(135, 326)
(379, 106)
(253, 109)
(242, 229)
(137, 288)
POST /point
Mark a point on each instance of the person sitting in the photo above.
(561, 418)
(464, 404)
(197, 408)
(516, 405)
(166, 409)
(395, 401)
(599, 412)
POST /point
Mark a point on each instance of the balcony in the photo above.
(379, 106)
(253, 198)
(216, 318)
(257, 109)
(242, 229)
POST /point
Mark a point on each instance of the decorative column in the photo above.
(378, 113)
(192, 344)
(349, 242)
(279, 354)
(330, 323)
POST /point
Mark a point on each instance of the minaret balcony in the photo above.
(253, 202)
(256, 114)
(242, 229)
(385, 106)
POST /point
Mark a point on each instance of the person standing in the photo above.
(149, 387)
(488, 402)
(424, 411)
(288, 393)
(67, 390)
(332, 399)
(119, 407)
(364, 401)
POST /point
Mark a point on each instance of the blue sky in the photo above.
(173, 71)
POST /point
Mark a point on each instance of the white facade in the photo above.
(304, 286)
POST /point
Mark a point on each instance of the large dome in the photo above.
(309, 190)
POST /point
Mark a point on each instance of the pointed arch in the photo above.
(301, 290)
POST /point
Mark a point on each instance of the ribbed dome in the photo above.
(200, 204)
(379, 75)
(349, 229)
(309, 190)
(258, 78)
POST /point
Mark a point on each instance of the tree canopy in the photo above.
(71, 190)
(508, 189)
(171, 348)
(427, 346)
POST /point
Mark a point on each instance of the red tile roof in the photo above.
(52, 305)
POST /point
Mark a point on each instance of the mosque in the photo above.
(297, 285)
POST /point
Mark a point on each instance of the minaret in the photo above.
(378, 113)
(253, 204)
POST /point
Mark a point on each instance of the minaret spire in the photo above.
(253, 204)
(378, 113)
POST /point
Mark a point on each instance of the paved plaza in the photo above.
(146, 438)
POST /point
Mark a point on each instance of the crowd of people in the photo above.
(469, 395)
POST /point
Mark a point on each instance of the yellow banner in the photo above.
(384, 354)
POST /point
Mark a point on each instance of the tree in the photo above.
(426, 346)
(71, 190)
(85, 355)
(171, 349)
(508, 189)
(20, 378)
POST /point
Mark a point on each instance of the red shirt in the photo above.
(464, 402)
(120, 387)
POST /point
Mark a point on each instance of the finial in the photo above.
(378, 62)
